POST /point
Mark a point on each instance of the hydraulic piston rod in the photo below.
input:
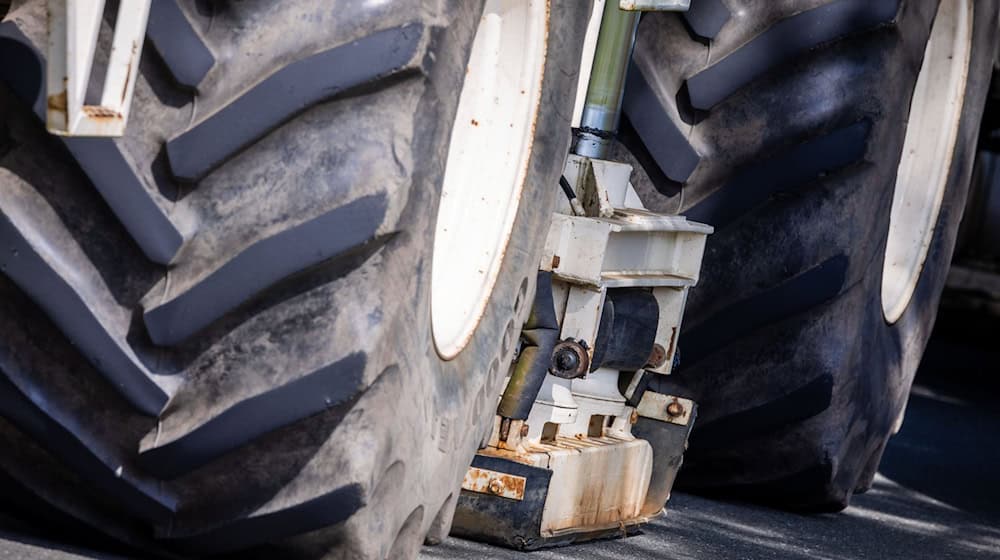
(606, 88)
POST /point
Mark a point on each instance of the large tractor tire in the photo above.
(783, 125)
(216, 332)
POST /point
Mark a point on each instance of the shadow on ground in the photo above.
(937, 494)
(949, 447)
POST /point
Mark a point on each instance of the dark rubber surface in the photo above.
(706, 17)
(759, 182)
(184, 53)
(782, 42)
(263, 264)
(103, 163)
(665, 143)
(801, 404)
(145, 503)
(328, 509)
(330, 387)
(802, 293)
(287, 93)
(28, 269)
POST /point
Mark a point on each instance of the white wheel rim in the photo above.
(928, 148)
(487, 164)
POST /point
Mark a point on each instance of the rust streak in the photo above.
(96, 112)
(128, 71)
(57, 101)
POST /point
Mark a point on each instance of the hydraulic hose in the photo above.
(539, 337)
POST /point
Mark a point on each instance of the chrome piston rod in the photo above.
(603, 103)
(606, 88)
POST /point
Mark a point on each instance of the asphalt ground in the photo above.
(937, 495)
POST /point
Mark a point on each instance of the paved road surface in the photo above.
(891, 521)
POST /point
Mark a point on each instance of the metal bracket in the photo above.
(579, 429)
(483, 481)
(74, 26)
(665, 408)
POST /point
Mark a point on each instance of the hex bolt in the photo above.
(675, 409)
(524, 430)
(496, 486)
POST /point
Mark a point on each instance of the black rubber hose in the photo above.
(540, 334)
(567, 189)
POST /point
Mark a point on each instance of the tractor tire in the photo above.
(216, 330)
(782, 125)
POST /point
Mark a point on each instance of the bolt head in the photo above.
(496, 486)
(569, 360)
(675, 409)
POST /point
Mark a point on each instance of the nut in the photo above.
(634, 417)
(496, 486)
(675, 409)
